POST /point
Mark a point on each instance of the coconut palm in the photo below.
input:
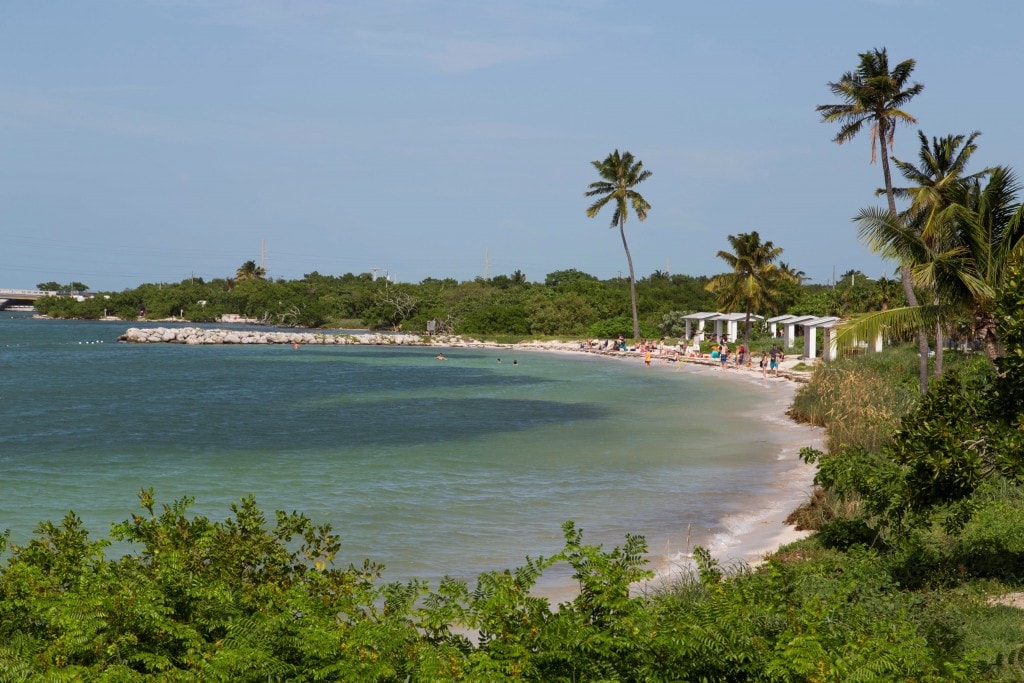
(250, 271)
(619, 175)
(797, 276)
(939, 176)
(980, 236)
(874, 96)
(753, 283)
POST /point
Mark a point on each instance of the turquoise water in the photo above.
(429, 467)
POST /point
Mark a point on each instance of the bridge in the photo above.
(22, 298)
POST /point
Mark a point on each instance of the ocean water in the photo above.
(431, 468)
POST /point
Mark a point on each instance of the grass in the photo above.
(859, 400)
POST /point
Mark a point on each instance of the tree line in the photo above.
(566, 302)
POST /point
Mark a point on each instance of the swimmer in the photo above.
(441, 356)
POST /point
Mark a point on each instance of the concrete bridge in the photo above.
(22, 298)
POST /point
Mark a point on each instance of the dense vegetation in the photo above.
(567, 302)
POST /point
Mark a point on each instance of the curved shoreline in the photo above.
(202, 336)
(750, 536)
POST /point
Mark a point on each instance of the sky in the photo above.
(146, 141)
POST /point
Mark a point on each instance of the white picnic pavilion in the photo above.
(810, 324)
(730, 321)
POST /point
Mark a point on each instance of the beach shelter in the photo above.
(789, 324)
(827, 325)
(700, 320)
(726, 324)
(774, 322)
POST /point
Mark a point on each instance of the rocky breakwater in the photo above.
(200, 335)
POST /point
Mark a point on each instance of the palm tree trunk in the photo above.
(908, 287)
(632, 278)
(746, 331)
(986, 324)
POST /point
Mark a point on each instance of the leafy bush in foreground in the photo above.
(248, 600)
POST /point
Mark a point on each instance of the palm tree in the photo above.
(250, 271)
(990, 240)
(619, 175)
(885, 292)
(874, 95)
(797, 276)
(940, 174)
(753, 283)
(980, 237)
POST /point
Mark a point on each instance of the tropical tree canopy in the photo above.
(872, 95)
(250, 271)
(753, 284)
(976, 243)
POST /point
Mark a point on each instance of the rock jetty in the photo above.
(201, 335)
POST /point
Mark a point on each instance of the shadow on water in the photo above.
(298, 427)
(437, 420)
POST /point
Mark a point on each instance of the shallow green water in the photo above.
(430, 467)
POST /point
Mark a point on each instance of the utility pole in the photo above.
(668, 269)
(487, 265)
(263, 257)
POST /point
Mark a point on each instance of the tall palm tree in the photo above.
(939, 176)
(619, 175)
(753, 283)
(874, 95)
(981, 237)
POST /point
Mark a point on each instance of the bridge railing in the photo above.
(13, 293)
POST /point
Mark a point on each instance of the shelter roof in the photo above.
(720, 316)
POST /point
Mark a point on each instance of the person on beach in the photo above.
(723, 356)
(647, 358)
(764, 364)
(775, 353)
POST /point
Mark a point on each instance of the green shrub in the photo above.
(843, 534)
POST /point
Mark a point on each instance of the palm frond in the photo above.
(895, 321)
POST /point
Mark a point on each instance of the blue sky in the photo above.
(153, 140)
